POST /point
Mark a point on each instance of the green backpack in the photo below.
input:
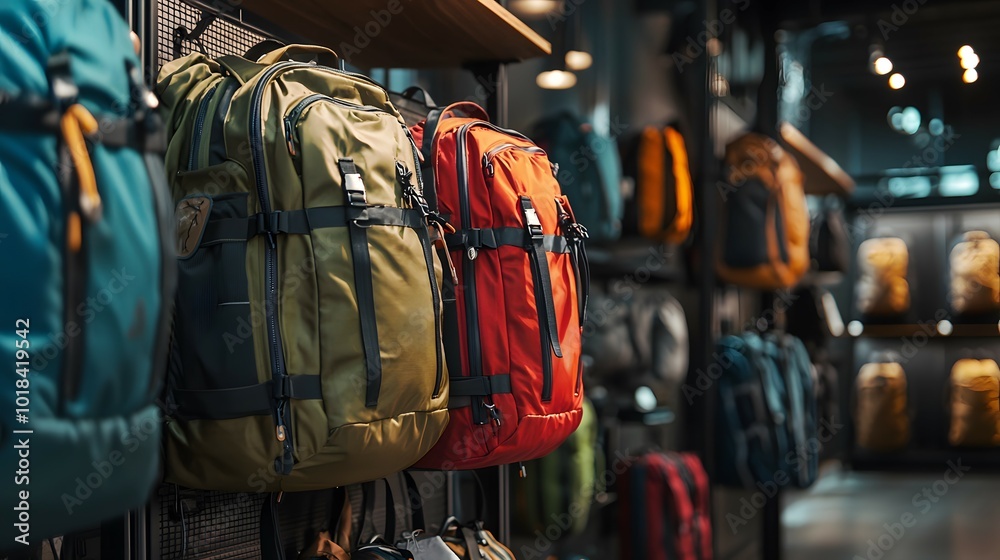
(560, 487)
(307, 345)
(88, 271)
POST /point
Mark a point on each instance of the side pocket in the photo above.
(213, 337)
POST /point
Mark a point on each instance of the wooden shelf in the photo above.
(422, 34)
(821, 173)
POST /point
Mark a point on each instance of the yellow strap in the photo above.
(77, 122)
(683, 188)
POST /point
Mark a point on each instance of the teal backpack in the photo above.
(88, 270)
(589, 173)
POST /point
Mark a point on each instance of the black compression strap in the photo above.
(543, 282)
(302, 222)
(239, 402)
(479, 386)
(356, 200)
(499, 237)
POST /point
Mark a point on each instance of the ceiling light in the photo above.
(970, 75)
(970, 62)
(897, 81)
(578, 60)
(556, 79)
(883, 66)
(534, 8)
(965, 51)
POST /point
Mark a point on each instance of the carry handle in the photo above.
(466, 109)
(411, 94)
(244, 70)
(302, 53)
(368, 510)
(415, 502)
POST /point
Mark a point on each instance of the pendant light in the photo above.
(556, 74)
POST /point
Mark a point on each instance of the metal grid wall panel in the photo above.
(222, 37)
(203, 525)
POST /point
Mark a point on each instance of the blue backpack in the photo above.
(85, 239)
(589, 173)
(766, 428)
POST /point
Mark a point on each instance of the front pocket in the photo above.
(214, 346)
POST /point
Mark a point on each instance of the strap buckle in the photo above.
(282, 389)
(355, 189)
(271, 223)
(531, 222)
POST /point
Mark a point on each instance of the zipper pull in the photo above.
(280, 432)
(491, 409)
(522, 472)
(443, 252)
(288, 138)
(487, 165)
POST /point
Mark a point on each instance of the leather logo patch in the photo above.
(191, 217)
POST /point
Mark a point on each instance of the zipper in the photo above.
(489, 156)
(199, 127)
(75, 274)
(469, 274)
(292, 119)
(405, 177)
(283, 465)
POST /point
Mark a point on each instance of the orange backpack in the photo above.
(659, 204)
(765, 223)
(512, 324)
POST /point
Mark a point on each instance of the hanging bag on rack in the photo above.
(659, 196)
(664, 508)
(767, 416)
(765, 221)
(472, 541)
(307, 344)
(512, 321)
(589, 171)
(975, 274)
(562, 484)
(422, 544)
(636, 333)
(882, 288)
(85, 236)
(975, 403)
(882, 421)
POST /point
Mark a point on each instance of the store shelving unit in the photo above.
(927, 348)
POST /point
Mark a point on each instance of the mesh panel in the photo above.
(222, 37)
(208, 525)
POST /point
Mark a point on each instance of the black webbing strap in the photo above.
(302, 222)
(576, 234)
(416, 503)
(368, 510)
(499, 237)
(238, 402)
(270, 536)
(479, 386)
(357, 203)
(540, 268)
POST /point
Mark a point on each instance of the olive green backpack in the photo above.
(307, 348)
(560, 487)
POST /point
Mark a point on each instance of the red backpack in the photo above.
(512, 324)
(663, 508)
